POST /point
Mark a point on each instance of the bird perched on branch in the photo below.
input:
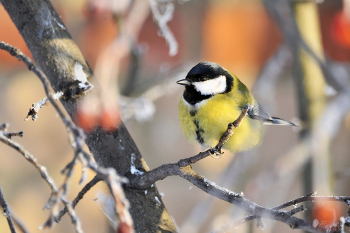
(212, 99)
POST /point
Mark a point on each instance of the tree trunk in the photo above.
(56, 55)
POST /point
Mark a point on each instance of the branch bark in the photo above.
(7, 213)
(56, 55)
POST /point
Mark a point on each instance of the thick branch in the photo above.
(57, 55)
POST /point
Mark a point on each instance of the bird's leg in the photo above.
(216, 152)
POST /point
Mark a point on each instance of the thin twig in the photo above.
(33, 111)
(3, 130)
(162, 21)
(228, 178)
(245, 204)
(56, 193)
(80, 196)
(252, 217)
(7, 213)
(108, 175)
(30, 158)
(309, 197)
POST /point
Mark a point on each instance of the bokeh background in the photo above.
(237, 34)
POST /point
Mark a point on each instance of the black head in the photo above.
(199, 85)
(204, 71)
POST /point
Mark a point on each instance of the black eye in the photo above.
(202, 79)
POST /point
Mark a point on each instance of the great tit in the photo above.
(213, 98)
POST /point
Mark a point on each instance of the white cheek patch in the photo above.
(212, 86)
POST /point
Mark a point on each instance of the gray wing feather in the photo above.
(258, 113)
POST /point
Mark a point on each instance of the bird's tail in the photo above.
(278, 121)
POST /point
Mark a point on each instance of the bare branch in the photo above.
(7, 213)
(109, 175)
(309, 197)
(3, 130)
(245, 204)
(183, 169)
(57, 54)
(33, 111)
(162, 20)
(56, 193)
(30, 158)
(163, 171)
(80, 196)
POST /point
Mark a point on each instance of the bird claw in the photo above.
(216, 153)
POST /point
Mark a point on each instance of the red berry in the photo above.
(87, 120)
(326, 213)
(110, 119)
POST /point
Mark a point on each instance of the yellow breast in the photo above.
(207, 121)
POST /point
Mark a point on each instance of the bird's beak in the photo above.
(183, 82)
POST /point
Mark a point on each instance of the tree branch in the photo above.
(163, 171)
(57, 55)
(109, 175)
(161, 20)
(7, 213)
(184, 170)
(80, 196)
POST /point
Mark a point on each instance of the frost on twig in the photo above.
(59, 194)
(162, 19)
(79, 86)
(56, 193)
(33, 111)
(3, 131)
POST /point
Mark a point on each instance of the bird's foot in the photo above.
(216, 152)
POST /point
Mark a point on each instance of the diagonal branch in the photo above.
(7, 213)
(109, 175)
(163, 171)
(80, 196)
(184, 170)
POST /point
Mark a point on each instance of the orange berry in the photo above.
(327, 213)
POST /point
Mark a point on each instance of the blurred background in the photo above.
(242, 37)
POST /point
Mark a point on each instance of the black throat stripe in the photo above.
(199, 131)
(193, 112)
(192, 96)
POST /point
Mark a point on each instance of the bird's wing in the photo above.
(258, 113)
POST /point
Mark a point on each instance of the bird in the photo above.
(213, 98)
